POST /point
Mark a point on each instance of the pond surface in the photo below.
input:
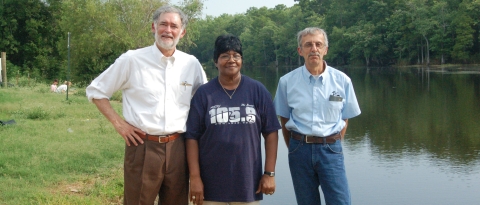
(417, 140)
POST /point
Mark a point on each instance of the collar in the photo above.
(159, 55)
(307, 76)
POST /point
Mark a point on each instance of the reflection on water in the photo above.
(408, 178)
(417, 140)
(413, 111)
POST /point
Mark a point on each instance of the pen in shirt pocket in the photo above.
(185, 83)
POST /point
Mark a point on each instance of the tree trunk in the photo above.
(421, 51)
(418, 58)
(428, 51)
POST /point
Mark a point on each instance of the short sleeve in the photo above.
(351, 108)
(280, 102)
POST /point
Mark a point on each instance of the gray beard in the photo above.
(164, 45)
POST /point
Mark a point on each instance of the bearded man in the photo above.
(157, 83)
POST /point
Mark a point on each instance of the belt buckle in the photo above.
(306, 141)
(160, 139)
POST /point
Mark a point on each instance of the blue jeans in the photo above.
(314, 165)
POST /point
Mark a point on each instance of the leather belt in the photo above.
(159, 138)
(316, 140)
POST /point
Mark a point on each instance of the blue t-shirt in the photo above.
(228, 133)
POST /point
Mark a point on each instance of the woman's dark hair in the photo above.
(225, 43)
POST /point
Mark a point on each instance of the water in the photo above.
(417, 140)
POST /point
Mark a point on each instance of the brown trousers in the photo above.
(155, 169)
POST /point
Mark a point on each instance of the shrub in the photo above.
(37, 113)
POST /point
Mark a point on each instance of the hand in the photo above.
(267, 185)
(196, 190)
(128, 132)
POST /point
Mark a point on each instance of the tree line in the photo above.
(360, 32)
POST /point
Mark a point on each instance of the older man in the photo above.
(157, 83)
(314, 103)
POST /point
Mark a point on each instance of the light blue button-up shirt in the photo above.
(316, 106)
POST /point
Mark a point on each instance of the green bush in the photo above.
(38, 113)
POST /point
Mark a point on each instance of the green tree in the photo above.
(210, 28)
(290, 21)
(29, 35)
(472, 9)
(102, 30)
(400, 33)
(463, 37)
(193, 10)
(338, 47)
(422, 22)
(364, 40)
(258, 45)
(440, 39)
(475, 15)
(371, 32)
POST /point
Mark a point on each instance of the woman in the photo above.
(227, 117)
(53, 87)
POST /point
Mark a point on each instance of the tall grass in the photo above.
(59, 151)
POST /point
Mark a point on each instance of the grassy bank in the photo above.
(59, 151)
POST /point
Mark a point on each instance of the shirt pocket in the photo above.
(184, 93)
(334, 109)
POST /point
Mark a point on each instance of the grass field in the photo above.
(59, 151)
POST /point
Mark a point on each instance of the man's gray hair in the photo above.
(170, 9)
(311, 31)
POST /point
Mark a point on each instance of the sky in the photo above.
(218, 7)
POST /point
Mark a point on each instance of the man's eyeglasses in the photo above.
(310, 45)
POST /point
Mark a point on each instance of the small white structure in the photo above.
(1, 70)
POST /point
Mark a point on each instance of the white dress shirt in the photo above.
(156, 90)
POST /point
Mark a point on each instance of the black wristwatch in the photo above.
(272, 174)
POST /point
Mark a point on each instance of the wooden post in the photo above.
(4, 70)
(1, 70)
